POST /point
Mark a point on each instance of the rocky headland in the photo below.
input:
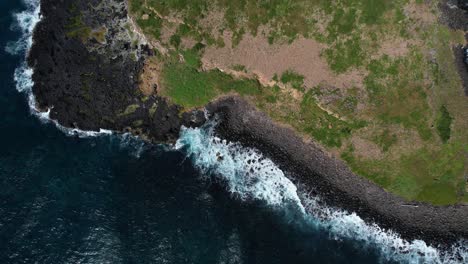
(87, 60)
(86, 71)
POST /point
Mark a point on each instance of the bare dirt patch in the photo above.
(149, 79)
(213, 22)
(420, 13)
(303, 56)
(398, 47)
(167, 31)
(366, 149)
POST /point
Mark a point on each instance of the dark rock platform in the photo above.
(91, 85)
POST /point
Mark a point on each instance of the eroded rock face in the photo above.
(87, 61)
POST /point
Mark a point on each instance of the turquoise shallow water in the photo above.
(114, 199)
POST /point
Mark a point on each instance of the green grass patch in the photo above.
(189, 87)
(345, 54)
(433, 176)
(294, 79)
(443, 124)
(385, 140)
(395, 88)
(322, 126)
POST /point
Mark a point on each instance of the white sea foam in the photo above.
(263, 180)
(246, 172)
(25, 22)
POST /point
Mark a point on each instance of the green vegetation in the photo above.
(396, 92)
(386, 140)
(384, 127)
(424, 175)
(326, 128)
(295, 80)
(189, 87)
(130, 109)
(444, 121)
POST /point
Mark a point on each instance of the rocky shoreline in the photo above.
(333, 181)
(86, 67)
(89, 81)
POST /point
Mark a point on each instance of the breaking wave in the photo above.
(250, 175)
(25, 22)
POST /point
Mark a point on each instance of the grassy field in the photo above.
(405, 128)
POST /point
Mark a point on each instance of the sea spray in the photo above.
(25, 22)
(250, 175)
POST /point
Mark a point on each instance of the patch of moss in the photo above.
(77, 29)
(130, 109)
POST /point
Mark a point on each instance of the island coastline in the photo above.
(240, 122)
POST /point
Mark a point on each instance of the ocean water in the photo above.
(77, 197)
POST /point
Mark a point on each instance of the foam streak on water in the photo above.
(250, 175)
(25, 22)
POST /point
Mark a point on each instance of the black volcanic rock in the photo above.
(463, 4)
(91, 85)
(461, 60)
(454, 14)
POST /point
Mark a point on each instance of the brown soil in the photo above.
(366, 149)
(258, 56)
(420, 13)
(396, 47)
(149, 79)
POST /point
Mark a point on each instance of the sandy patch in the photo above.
(301, 56)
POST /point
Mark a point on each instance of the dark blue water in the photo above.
(112, 199)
